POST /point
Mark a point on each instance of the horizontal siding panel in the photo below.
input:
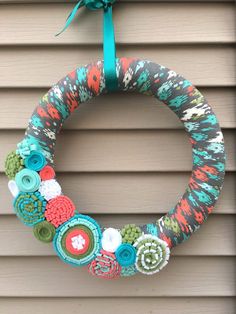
(118, 305)
(33, 24)
(128, 193)
(49, 277)
(127, 111)
(43, 66)
(147, 150)
(218, 229)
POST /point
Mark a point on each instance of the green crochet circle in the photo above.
(44, 231)
(152, 254)
(130, 233)
(13, 164)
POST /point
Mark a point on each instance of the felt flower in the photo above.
(25, 147)
(35, 161)
(44, 231)
(152, 254)
(47, 173)
(27, 180)
(50, 189)
(105, 266)
(111, 239)
(13, 188)
(126, 254)
(130, 233)
(59, 210)
(13, 164)
(78, 241)
(30, 207)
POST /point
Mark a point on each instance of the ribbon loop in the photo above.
(98, 4)
(109, 46)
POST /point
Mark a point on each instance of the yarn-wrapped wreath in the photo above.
(78, 239)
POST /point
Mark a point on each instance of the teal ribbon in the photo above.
(109, 46)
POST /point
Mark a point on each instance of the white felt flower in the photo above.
(13, 188)
(50, 189)
(111, 240)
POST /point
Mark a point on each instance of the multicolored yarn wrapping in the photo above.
(13, 164)
(105, 266)
(59, 210)
(30, 207)
(152, 254)
(78, 241)
(44, 231)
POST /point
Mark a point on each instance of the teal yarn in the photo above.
(27, 180)
(30, 208)
(126, 254)
(35, 161)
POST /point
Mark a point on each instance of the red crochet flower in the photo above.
(59, 210)
(47, 173)
(105, 265)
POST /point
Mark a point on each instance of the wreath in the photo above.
(79, 239)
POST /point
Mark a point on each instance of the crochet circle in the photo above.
(105, 266)
(30, 207)
(79, 240)
(152, 254)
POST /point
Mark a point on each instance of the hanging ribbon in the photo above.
(109, 47)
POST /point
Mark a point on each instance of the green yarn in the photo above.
(13, 164)
(44, 231)
(130, 233)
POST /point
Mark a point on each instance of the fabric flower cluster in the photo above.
(77, 239)
(38, 199)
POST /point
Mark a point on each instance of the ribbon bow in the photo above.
(109, 47)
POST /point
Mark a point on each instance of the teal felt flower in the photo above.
(126, 254)
(35, 161)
